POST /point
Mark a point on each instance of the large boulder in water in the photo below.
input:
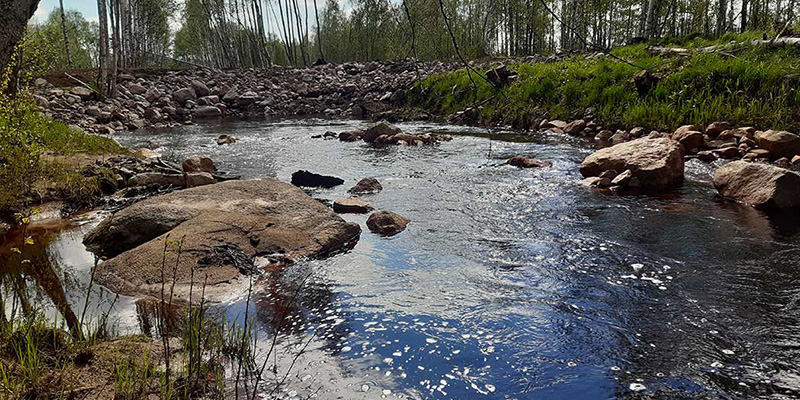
(223, 230)
(366, 186)
(380, 129)
(779, 143)
(758, 185)
(656, 163)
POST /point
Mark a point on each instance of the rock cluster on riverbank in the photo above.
(145, 98)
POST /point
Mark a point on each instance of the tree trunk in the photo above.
(652, 18)
(721, 14)
(64, 30)
(14, 16)
(102, 76)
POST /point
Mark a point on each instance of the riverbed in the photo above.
(508, 283)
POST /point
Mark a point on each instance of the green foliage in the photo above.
(81, 34)
(26, 134)
(759, 87)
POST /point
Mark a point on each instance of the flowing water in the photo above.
(508, 283)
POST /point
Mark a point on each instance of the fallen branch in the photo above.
(84, 84)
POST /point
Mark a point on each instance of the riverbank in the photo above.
(657, 86)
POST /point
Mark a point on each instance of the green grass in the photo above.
(25, 136)
(750, 85)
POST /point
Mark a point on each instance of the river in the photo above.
(508, 283)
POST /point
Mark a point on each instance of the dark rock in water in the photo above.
(522, 162)
(366, 186)
(387, 223)
(351, 205)
(310, 179)
(330, 134)
(758, 185)
(223, 230)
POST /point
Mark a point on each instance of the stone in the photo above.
(645, 81)
(351, 205)
(689, 139)
(136, 88)
(181, 96)
(796, 160)
(619, 137)
(779, 143)
(199, 163)
(622, 179)
(387, 223)
(657, 163)
(180, 180)
(706, 156)
(366, 186)
(82, 92)
(225, 139)
(522, 162)
(500, 76)
(206, 112)
(637, 132)
(603, 136)
(200, 88)
(757, 153)
(222, 229)
(728, 152)
(351, 136)
(553, 124)
(575, 127)
(310, 179)
(715, 128)
(758, 185)
(381, 128)
(247, 98)
(152, 114)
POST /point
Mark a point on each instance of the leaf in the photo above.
(29, 240)
(15, 250)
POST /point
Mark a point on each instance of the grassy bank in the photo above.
(41, 159)
(742, 83)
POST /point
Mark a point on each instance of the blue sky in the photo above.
(87, 7)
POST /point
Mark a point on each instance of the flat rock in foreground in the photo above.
(224, 229)
(656, 163)
(758, 185)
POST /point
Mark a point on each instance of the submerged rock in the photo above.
(758, 185)
(366, 186)
(387, 223)
(351, 205)
(225, 139)
(656, 163)
(221, 230)
(522, 162)
(310, 179)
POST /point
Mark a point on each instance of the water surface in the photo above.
(516, 283)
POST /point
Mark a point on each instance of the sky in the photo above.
(87, 7)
